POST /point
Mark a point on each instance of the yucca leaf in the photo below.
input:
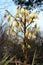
(8, 61)
(34, 57)
(3, 60)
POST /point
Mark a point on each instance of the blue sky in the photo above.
(11, 7)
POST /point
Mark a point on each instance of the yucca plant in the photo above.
(22, 21)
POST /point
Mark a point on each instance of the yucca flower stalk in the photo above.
(20, 21)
